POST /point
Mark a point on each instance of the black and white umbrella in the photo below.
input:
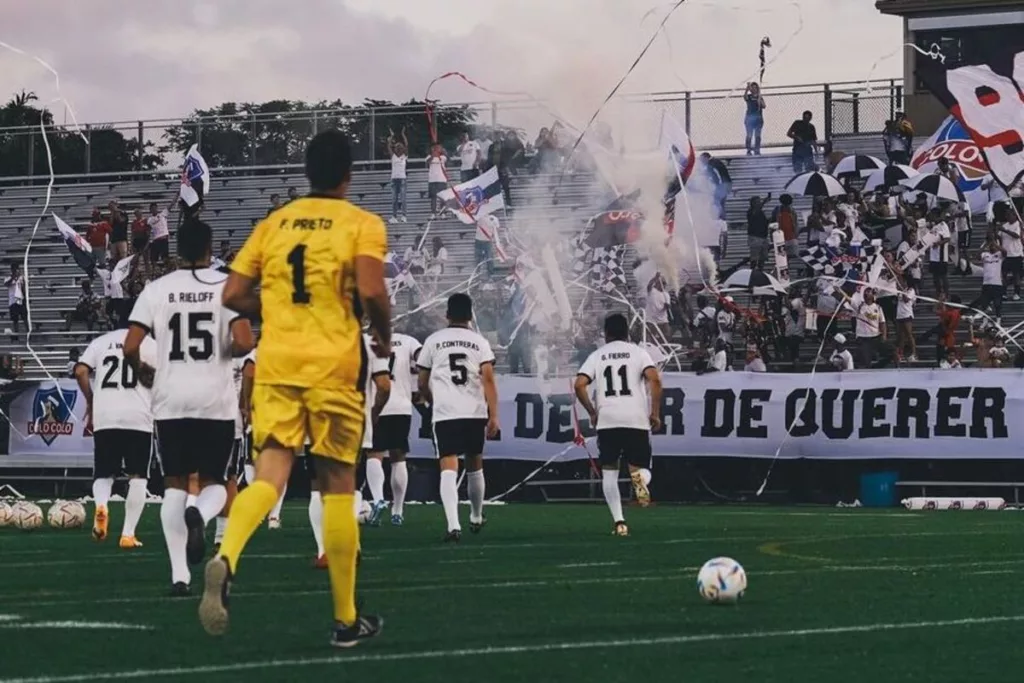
(860, 164)
(745, 278)
(936, 185)
(890, 175)
(815, 184)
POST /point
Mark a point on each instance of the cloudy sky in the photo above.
(154, 59)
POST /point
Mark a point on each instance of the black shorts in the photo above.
(159, 249)
(433, 189)
(632, 445)
(1013, 265)
(190, 446)
(139, 243)
(391, 433)
(117, 449)
(460, 437)
(17, 312)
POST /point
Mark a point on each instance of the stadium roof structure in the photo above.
(908, 7)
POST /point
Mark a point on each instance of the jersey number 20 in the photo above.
(110, 379)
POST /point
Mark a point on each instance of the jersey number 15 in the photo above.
(200, 340)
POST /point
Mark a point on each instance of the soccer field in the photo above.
(544, 594)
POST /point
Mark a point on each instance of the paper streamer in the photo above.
(46, 205)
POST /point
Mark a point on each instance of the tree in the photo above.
(276, 132)
(109, 150)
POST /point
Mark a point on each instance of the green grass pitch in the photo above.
(544, 594)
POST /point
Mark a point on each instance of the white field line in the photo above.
(583, 565)
(567, 646)
(74, 625)
(683, 573)
(380, 552)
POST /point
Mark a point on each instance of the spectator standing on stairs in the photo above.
(483, 244)
(436, 261)
(753, 121)
(140, 236)
(159, 233)
(97, 234)
(87, 308)
(805, 138)
(1008, 227)
(16, 296)
(757, 231)
(469, 158)
(437, 179)
(399, 190)
(118, 231)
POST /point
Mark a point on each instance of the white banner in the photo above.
(48, 427)
(927, 414)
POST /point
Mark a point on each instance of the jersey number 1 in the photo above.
(609, 382)
(297, 260)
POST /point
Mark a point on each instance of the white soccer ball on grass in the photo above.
(27, 516)
(721, 581)
(66, 514)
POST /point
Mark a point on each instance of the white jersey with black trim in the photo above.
(617, 372)
(454, 357)
(378, 366)
(194, 375)
(119, 401)
(402, 366)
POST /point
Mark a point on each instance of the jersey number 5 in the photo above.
(297, 260)
(201, 340)
(128, 379)
(457, 364)
(609, 382)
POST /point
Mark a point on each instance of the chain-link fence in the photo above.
(261, 138)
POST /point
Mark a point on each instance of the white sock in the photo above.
(357, 502)
(101, 491)
(134, 504)
(450, 498)
(399, 483)
(222, 525)
(211, 501)
(190, 501)
(475, 485)
(250, 473)
(375, 478)
(316, 520)
(612, 495)
(172, 519)
(276, 512)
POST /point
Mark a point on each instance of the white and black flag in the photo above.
(987, 95)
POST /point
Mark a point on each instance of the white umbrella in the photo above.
(745, 278)
(857, 163)
(890, 175)
(815, 184)
(936, 185)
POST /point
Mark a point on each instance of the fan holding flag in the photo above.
(195, 181)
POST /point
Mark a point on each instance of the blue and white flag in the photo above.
(475, 198)
(80, 250)
(195, 178)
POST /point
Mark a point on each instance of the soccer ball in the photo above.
(27, 516)
(6, 514)
(721, 580)
(66, 514)
(364, 512)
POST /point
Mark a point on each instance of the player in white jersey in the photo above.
(194, 401)
(456, 368)
(624, 414)
(234, 467)
(377, 391)
(119, 409)
(391, 433)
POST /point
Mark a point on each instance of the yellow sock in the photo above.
(341, 542)
(248, 511)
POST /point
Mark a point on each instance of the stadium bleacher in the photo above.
(235, 203)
